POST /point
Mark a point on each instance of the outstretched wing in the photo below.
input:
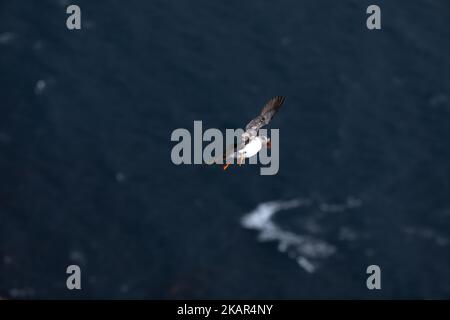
(266, 115)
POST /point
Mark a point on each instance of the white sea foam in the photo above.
(307, 250)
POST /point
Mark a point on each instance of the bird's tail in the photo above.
(224, 158)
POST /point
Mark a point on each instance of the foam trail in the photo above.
(305, 249)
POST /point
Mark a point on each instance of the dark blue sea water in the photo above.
(86, 176)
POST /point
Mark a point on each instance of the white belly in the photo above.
(251, 148)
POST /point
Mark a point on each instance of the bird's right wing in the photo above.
(267, 113)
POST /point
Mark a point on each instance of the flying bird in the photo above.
(251, 143)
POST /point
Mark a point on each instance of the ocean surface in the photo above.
(86, 176)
